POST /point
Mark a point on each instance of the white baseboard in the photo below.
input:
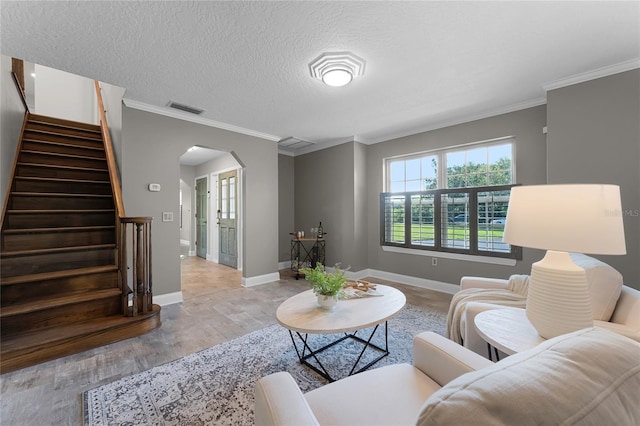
(168, 299)
(260, 279)
(192, 253)
(284, 265)
(440, 286)
(185, 242)
(405, 279)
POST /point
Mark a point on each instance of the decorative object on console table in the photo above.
(320, 231)
(561, 219)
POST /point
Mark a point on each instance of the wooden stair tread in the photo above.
(48, 211)
(60, 229)
(43, 276)
(62, 122)
(57, 301)
(59, 194)
(77, 330)
(64, 135)
(58, 166)
(62, 180)
(63, 155)
(35, 252)
(58, 143)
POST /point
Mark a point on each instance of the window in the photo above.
(459, 207)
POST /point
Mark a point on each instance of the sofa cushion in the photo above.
(605, 284)
(590, 376)
(390, 395)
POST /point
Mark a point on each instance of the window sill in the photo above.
(454, 256)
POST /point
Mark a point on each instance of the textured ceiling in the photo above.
(246, 63)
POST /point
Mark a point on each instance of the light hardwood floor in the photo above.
(216, 308)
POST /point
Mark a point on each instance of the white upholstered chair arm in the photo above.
(442, 359)
(630, 332)
(279, 401)
(627, 309)
(481, 282)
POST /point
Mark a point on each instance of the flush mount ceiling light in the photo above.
(338, 68)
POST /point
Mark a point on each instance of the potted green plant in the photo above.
(325, 285)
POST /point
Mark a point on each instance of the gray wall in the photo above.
(152, 145)
(286, 206)
(325, 191)
(11, 118)
(527, 127)
(594, 137)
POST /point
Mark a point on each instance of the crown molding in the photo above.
(460, 120)
(199, 120)
(593, 74)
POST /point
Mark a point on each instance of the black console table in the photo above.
(306, 253)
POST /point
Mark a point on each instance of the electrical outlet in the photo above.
(434, 261)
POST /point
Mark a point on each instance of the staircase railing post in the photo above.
(141, 285)
(123, 266)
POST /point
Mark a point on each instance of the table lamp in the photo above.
(561, 219)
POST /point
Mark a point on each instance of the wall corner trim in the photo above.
(260, 279)
(168, 299)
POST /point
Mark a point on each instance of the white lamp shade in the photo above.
(573, 218)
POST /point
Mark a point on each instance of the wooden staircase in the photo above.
(63, 262)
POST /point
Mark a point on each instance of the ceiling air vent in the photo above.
(185, 108)
(292, 143)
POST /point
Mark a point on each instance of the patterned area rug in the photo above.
(215, 386)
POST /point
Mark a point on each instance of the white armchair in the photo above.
(450, 385)
(625, 319)
(387, 395)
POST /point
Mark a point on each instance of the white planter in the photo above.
(327, 302)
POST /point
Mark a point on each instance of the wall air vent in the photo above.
(185, 108)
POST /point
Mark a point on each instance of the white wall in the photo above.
(64, 95)
(112, 100)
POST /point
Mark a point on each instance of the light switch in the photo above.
(154, 187)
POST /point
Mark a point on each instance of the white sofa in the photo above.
(592, 376)
(624, 320)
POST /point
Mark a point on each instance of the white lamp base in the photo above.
(558, 298)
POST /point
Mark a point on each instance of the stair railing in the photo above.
(133, 241)
(135, 232)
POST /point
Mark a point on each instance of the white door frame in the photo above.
(194, 220)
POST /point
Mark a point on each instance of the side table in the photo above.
(507, 330)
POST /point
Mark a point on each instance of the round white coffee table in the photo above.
(302, 316)
(507, 329)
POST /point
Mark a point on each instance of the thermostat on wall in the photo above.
(154, 187)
